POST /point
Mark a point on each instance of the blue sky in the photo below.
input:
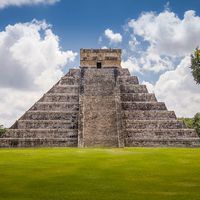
(79, 23)
(40, 41)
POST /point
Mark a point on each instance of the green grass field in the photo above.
(113, 174)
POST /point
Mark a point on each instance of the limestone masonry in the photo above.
(99, 104)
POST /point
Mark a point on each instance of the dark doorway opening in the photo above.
(98, 65)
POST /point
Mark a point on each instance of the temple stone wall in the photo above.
(107, 58)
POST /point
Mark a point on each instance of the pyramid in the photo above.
(99, 105)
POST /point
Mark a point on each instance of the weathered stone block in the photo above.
(60, 97)
(130, 88)
(153, 124)
(149, 114)
(143, 106)
(68, 80)
(135, 97)
(50, 115)
(47, 124)
(72, 89)
(160, 133)
(55, 106)
(128, 80)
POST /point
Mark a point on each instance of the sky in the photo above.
(40, 40)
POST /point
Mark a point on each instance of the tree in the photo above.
(2, 130)
(196, 123)
(193, 123)
(195, 65)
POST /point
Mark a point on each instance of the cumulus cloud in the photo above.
(31, 60)
(161, 43)
(167, 33)
(132, 64)
(150, 86)
(164, 38)
(178, 89)
(5, 3)
(104, 47)
(148, 60)
(133, 43)
(113, 37)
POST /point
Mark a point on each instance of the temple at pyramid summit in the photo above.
(99, 104)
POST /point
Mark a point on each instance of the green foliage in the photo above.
(195, 65)
(2, 130)
(192, 122)
(188, 122)
(196, 123)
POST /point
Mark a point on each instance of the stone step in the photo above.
(50, 115)
(128, 80)
(138, 97)
(178, 142)
(95, 73)
(60, 97)
(123, 72)
(72, 89)
(98, 80)
(69, 80)
(92, 84)
(99, 73)
(41, 133)
(149, 114)
(106, 71)
(55, 106)
(131, 88)
(38, 142)
(161, 133)
(153, 124)
(74, 72)
(143, 106)
(47, 124)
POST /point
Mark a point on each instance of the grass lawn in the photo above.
(94, 174)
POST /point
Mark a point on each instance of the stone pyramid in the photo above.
(99, 104)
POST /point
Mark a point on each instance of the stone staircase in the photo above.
(99, 124)
(147, 122)
(99, 107)
(52, 121)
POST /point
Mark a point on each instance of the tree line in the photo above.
(193, 123)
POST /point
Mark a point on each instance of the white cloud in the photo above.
(167, 33)
(113, 37)
(5, 3)
(31, 61)
(133, 43)
(150, 86)
(104, 47)
(13, 103)
(148, 60)
(132, 64)
(162, 43)
(164, 37)
(178, 90)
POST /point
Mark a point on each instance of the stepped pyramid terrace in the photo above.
(99, 104)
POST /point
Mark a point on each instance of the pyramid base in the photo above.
(37, 142)
(65, 142)
(182, 142)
